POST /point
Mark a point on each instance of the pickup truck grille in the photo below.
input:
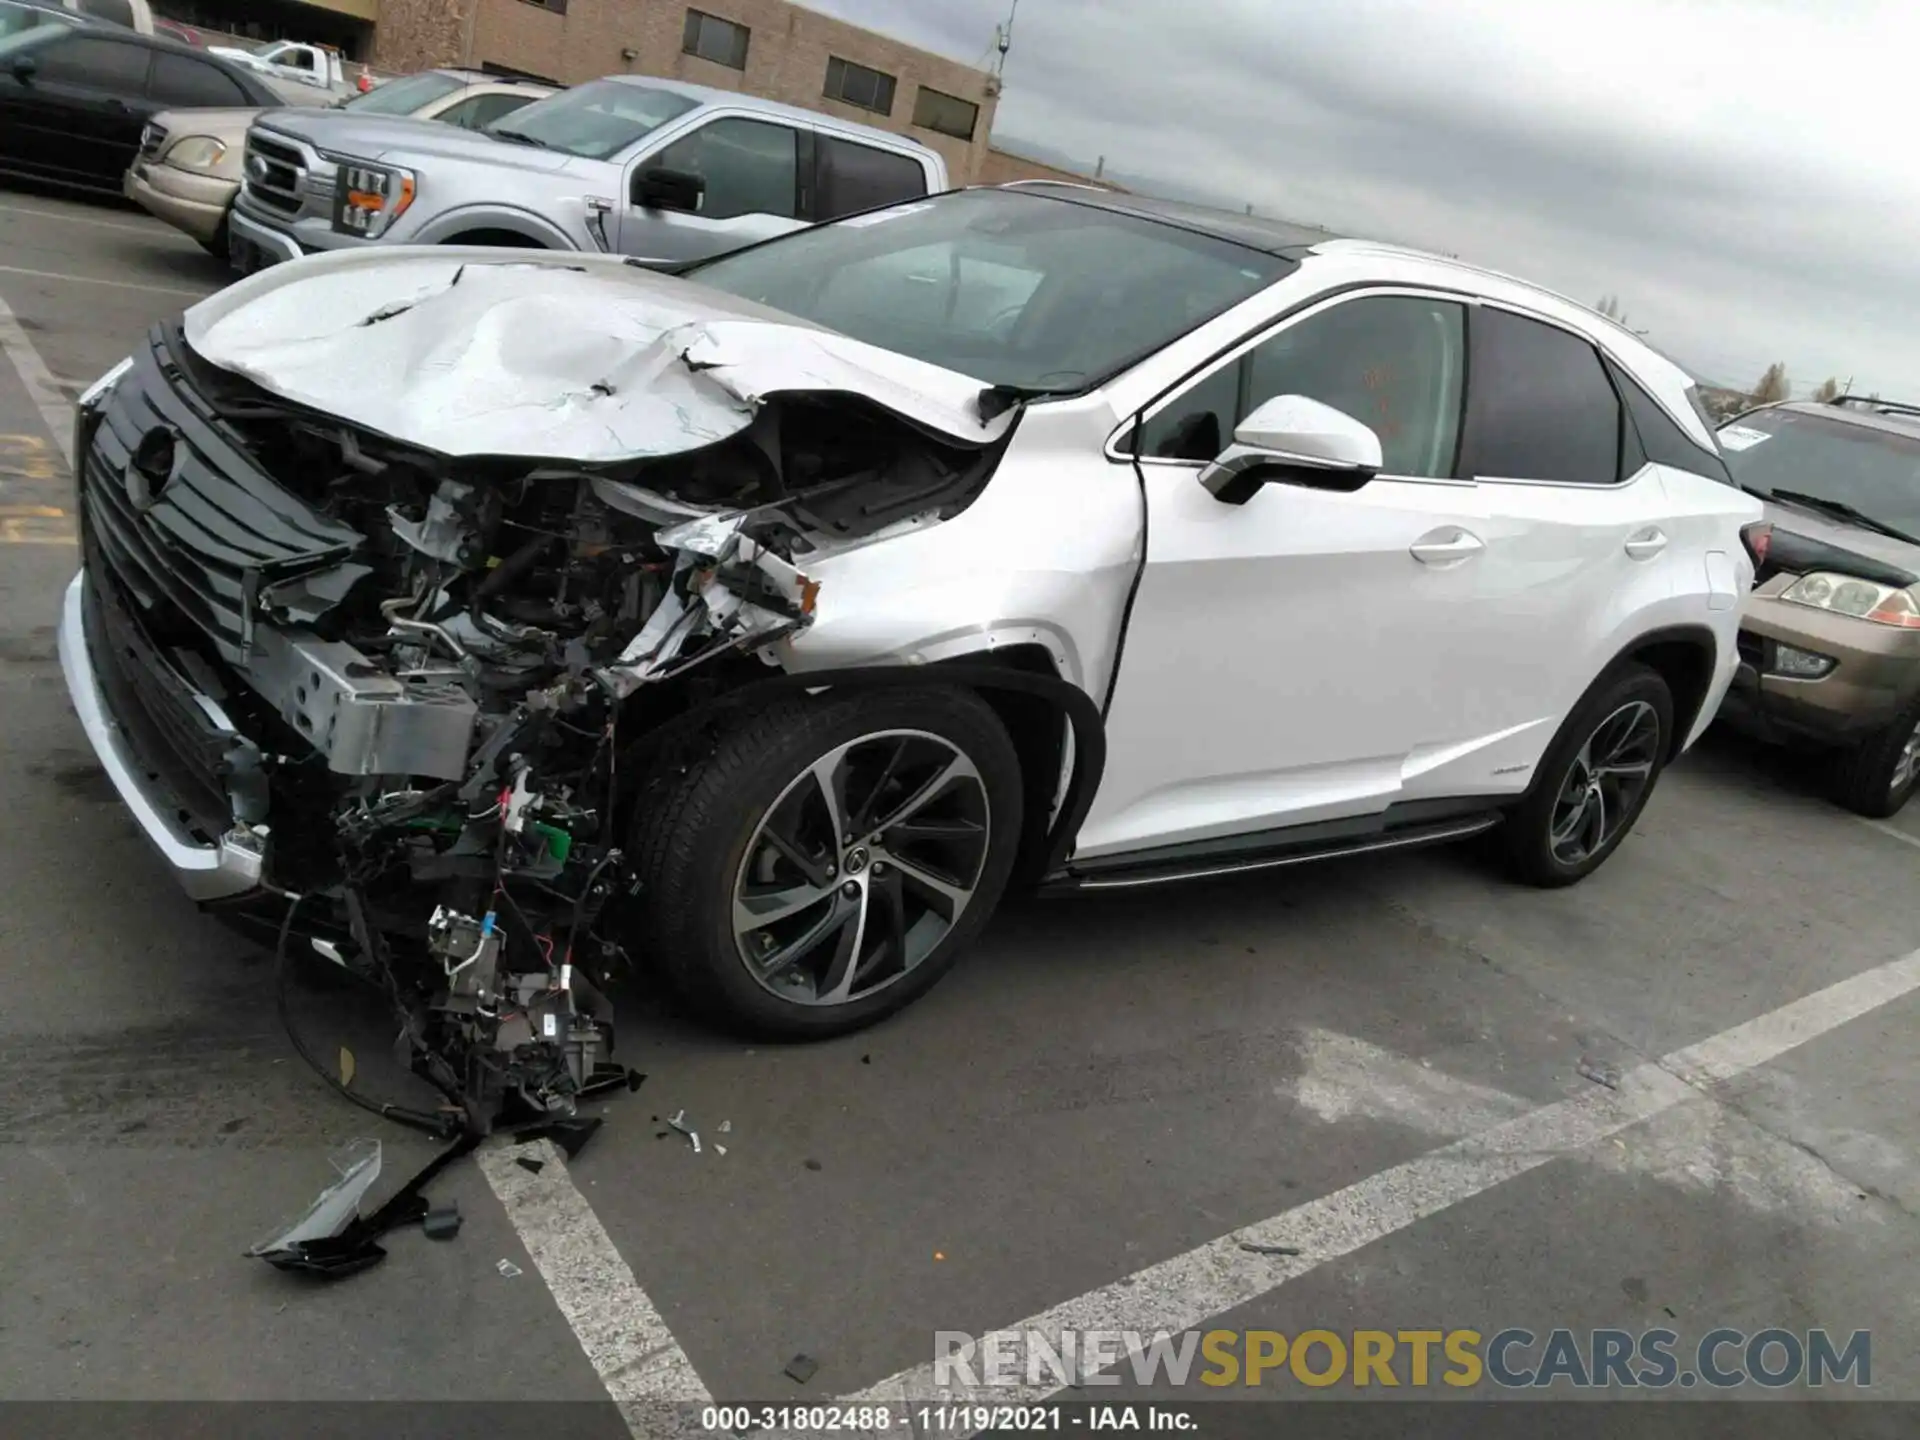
(185, 522)
(274, 173)
(152, 141)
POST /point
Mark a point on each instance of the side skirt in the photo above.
(1400, 827)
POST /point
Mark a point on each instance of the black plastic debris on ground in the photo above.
(802, 1368)
(333, 1240)
(441, 1224)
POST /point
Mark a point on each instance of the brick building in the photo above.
(769, 48)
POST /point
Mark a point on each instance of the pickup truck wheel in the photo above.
(1593, 782)
(1877, 777)
(825, 862)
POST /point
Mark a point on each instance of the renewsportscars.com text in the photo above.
(1720, 1359)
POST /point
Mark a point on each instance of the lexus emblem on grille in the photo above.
(156, 459)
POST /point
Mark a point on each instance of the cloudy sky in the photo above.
(1743, 174)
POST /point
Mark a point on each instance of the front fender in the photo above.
(537, 229)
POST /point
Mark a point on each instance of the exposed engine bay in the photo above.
(438, 673)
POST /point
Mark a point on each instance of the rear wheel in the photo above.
(826, 862)
(1878, 777)
(1594, 780)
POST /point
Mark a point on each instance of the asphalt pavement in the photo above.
(1680, 1094)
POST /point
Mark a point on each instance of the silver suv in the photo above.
(652, 168)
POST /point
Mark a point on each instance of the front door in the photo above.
(83, 106)
(1287, 661)
(751, 169)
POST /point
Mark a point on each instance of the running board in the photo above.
(1413, 836)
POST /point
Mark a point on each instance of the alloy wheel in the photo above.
(1907, 764)
(861, 867)
(1605, 784)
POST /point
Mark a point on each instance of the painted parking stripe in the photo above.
(153, 230)
(623, 1335)
(102, 280)
(1190, 1289)
(42, 389)
(1891, 831)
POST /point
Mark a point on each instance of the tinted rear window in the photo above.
(858, 177)
(1541, 407)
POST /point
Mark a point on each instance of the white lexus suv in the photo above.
(761, 623)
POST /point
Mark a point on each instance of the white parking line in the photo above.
(98, 280)
(1892, 832)
(633, 1352)
(42, 389)
(1188, 1290)
(152, 230)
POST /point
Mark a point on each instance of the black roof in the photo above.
(1274, 237)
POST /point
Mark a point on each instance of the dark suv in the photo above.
(1830, 643)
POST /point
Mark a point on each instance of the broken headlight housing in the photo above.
(369, 198)
(1862, 599)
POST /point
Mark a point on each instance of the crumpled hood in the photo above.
(401, 139)
(473, 351)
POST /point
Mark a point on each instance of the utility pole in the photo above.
(1003, 42)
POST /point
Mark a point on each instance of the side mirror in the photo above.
(658, 189)
(24, 68)
(1291, 440)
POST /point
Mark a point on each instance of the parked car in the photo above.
(318, 66)
(632, 165)
(74, 100)
(807, 598)
(1830, 641)
(189, 167)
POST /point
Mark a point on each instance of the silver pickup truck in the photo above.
(634, 165)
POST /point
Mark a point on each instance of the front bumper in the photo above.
(232, 866)
(197, 204)
(1876, 675)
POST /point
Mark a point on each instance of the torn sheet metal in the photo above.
(583, 358)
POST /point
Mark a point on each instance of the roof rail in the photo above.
(1883, 407)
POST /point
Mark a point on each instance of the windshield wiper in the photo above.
(520, 137)
(1843, 511)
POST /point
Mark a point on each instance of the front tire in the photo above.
(771, 924)
(1594, 780)
(1878, 777)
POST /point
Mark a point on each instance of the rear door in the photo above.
(83, 108)
(752, 172)
(850, 177)
(1576, 525)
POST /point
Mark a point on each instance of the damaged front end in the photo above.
(410, 690)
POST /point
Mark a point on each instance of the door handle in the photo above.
(1647, 543)
(1445, 547)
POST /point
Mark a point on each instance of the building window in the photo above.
(712, 38)
(857, 85)
(948, 114)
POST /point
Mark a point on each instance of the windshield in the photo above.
(1874, 471)
(404, 96)
(594, 120)
(1016, 289)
